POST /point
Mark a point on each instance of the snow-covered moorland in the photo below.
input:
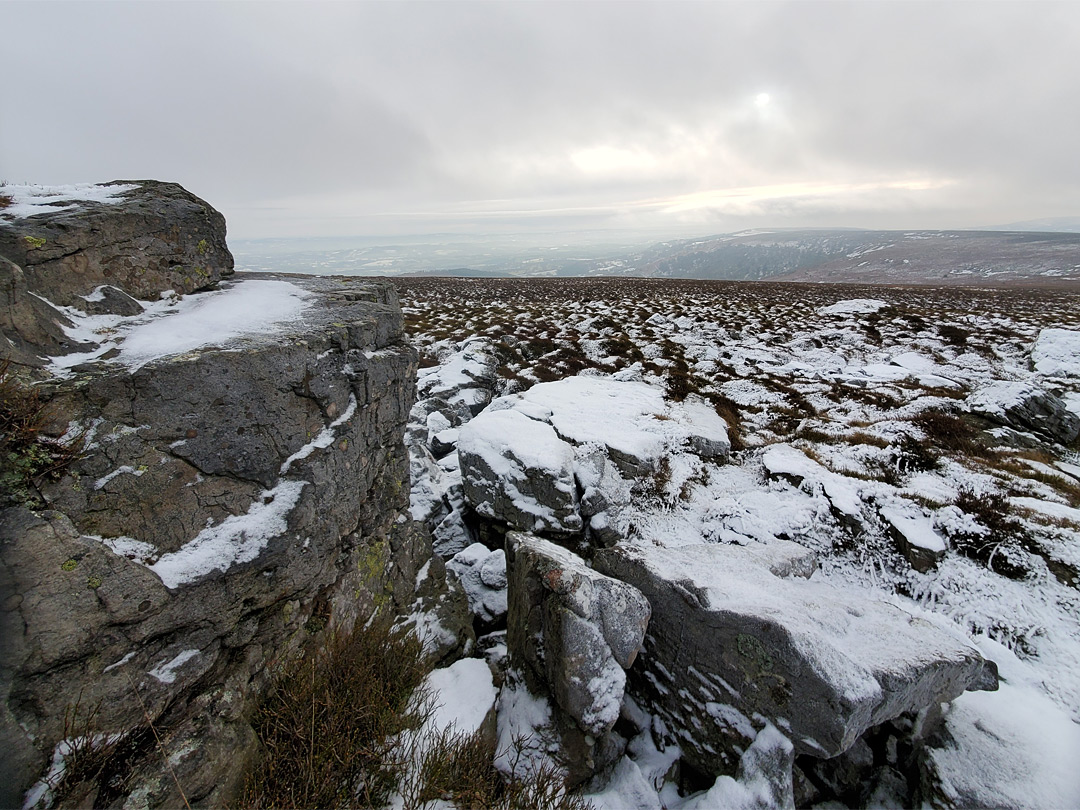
(923, 443)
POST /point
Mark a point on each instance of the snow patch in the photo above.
(237, 539)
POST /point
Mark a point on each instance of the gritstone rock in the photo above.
(732, 644)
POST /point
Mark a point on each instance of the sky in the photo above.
(372, 119)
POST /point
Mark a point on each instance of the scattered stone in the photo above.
(914, 534)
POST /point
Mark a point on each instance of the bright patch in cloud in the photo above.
(755, 199)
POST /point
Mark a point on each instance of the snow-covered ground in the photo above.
(853, 433)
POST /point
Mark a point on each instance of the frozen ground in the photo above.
(851, 413)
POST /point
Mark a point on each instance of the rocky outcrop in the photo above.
(573, 632)
(99, 255)
(232, 504)
(737, 638)
(1027, 406)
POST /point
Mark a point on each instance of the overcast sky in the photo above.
(372, 118)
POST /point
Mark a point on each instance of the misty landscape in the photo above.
(568, 406)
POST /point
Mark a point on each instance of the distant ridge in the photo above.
(1048, 225)
(1006, 255)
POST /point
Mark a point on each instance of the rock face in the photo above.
(232, 504)
(573, 632)
(97, 256)
(1027, 406)
(734, 642)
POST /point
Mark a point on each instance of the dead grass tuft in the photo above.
(328, 724)
(950, 433)
(1003, 547)
(343, 728)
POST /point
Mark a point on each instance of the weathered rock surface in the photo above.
(518, 471)
(99, 256)
(1027, 406)
(632, 420)
(232, 503)
(733, 644)
(461, 388)
(572, 632)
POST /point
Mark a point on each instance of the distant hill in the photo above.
(868, 257)
(1051, 224)
(837, 255)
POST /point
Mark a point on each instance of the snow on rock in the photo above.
(165, 672)
(464, 380)
(788, 462)
(256, 307)
(914, 533)
(31, 199)
(1056, 353)
(633, 420)
(170, 327)
(464, 693)
(483, 576)
(237, 539)
(1026, 406)
(517, 470)
(763, 780)
(1013, 749)
(731, 645)
(854, 306)
(627, 788)
(524, 727)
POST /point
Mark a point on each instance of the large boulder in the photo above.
(632, 420)
(526, 458)
(1027, 406)
(140, 236)
(97, 249)
(738, 638)
(572, 632)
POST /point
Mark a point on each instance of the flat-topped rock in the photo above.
(731, 644)
(527, 456)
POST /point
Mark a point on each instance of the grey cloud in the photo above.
(361, 110)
